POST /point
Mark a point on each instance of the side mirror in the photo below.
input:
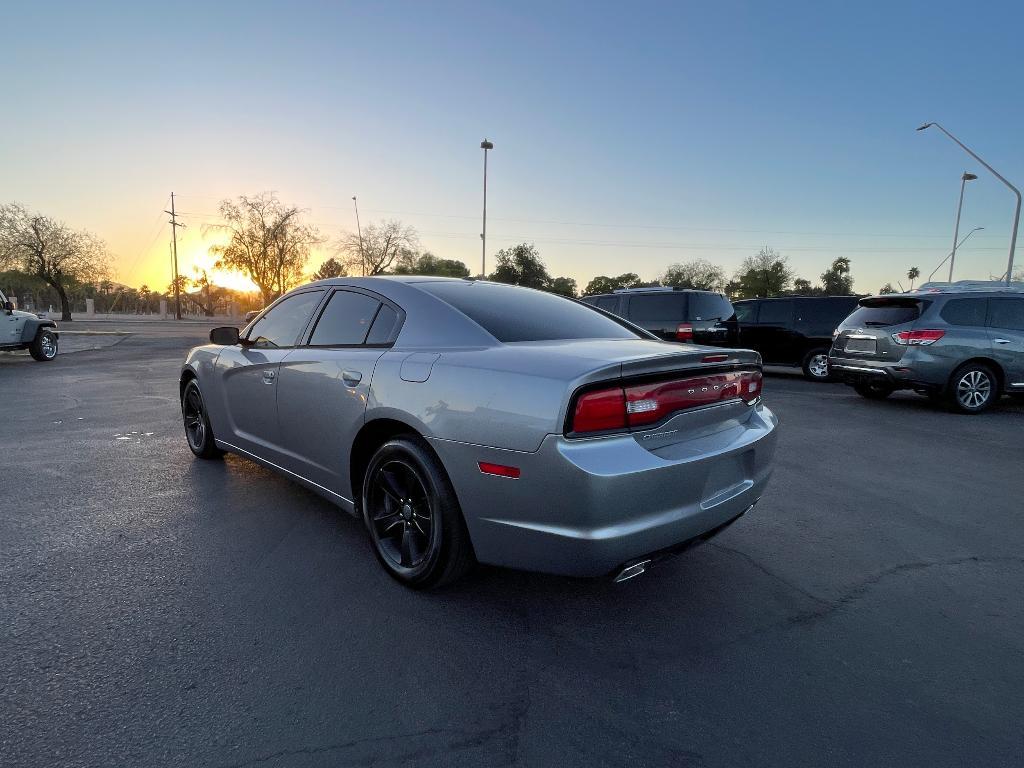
(226, 335)
(8, 306)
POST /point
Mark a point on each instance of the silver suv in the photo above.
(958, 343)
(23, 330)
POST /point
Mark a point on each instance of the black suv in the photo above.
(794, 330)
(961, 343)
(674, 314)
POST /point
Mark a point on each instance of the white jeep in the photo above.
(23, 330)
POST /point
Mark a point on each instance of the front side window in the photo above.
(1006, 313)
(281, 325)
(512, 314)
(345, 320)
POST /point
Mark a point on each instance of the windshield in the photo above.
(510, 313)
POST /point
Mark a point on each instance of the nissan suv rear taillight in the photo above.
(640, 405)
(917, 338)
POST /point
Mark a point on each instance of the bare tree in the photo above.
(269, 242)
(379, 248)
(50, 250)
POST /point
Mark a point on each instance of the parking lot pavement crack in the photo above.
(785, 582)
(327, 748)
(861, 589)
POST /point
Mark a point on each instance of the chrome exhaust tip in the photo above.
(631, 571)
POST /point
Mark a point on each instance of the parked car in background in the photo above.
(23, 330)
(250, 316)
(958, 343)
(469, 421)
(794, 330)
(674, 314)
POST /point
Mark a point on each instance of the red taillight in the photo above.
(684, 333)
(641, 405)
(918, 338)
(498, 469)
(599, 411)
(714, 358)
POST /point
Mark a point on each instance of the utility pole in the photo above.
(174, 240)
(359, 229)
(485, 145)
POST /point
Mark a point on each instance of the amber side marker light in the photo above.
(499, 469)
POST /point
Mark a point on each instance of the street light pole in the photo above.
(962, 241)
(956, 229)
(994, 172)
(484, 145)
(359, 229)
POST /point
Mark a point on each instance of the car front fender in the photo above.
(32, 326)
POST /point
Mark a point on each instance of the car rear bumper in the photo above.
(917, 369)
(586, 507)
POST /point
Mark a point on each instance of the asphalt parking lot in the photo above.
(156, 610)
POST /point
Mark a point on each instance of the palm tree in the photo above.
(912, 274)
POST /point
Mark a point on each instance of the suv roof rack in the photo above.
(961, 286)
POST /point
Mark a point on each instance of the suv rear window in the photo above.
(887, 312)
(709, 306)
(510, 313)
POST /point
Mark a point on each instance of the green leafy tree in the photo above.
(563, 286)
(699, 274)
(764, 275)
(605, 284)
(802, 287)
(837, 280)
(887, 288)
(429, 264)
(330, 268)
(51, 251)
(521, 265)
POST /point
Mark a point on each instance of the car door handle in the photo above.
(1001, 341)
(351, 377)
(268, 377)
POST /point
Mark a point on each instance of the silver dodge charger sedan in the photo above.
(466, 421)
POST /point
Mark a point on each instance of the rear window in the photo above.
(709, 306)
(746, 311)
(965, 311)
(647, 308)
(881, 314)
(512, 314)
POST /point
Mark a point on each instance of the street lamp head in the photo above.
(485, 144)
(968, 176)
(926, 125)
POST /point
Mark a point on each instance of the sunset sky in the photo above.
(627, 135)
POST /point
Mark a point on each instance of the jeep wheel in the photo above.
(815, 365)
(44, 346)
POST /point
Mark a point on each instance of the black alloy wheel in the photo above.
(198, 431)
(413, 517)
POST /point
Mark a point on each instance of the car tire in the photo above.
(413, 516)
(198, 432)
(44, 346)
(873, 390)
(973, 388)
(815, 365)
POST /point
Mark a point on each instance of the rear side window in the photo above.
(607, 303)
(828, 311)
(281, 325)
(881, 314)
(775, 313)
(746, 311)
(345, 320)
(384, 327)
(511, 314)
(709, 306)
(1006, 313)
(647, 308)
(964, 311)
